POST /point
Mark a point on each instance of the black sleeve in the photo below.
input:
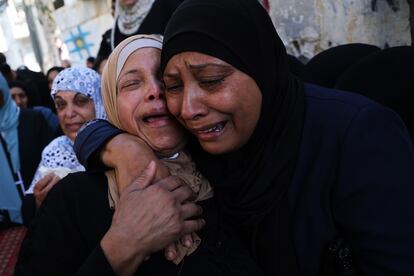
(28, 209)
(64, 237)
(96, 264)
(90, 140)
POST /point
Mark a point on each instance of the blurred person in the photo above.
(135, 17)
(18, 94)
(23, 97)
(51, 75)
(3, 58)
(11, 180)
(66, 63)
(26, 133)
(326, 67)
(90, 62)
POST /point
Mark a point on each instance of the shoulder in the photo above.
(28, 114)
(317, 96)
(334, 110)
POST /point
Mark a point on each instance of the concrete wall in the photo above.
(81, 25)
(310, 26)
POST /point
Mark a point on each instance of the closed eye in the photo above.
(130, 85)
(173, 88)
(211, 83)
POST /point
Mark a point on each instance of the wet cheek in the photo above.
(173, 107)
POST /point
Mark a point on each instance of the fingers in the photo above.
(44, 181)
(191, 210)
(170, 252)
(145, 178)
(193, 225)
(187, 240)
(50, 185)
(180, 190)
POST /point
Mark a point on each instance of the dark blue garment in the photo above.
(50, 117)
(354, 177)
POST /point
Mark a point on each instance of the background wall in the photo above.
(72, 28)
(310, 26)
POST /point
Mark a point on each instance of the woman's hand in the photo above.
(43, 187)
(128, 155)
(148, 218)
(171, 251)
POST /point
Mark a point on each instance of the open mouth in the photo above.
(216, 128)
(155, 118)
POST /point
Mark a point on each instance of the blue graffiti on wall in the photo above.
(78, 39)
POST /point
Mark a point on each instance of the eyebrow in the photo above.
(196, 68)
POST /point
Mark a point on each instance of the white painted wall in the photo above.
(310, 26)
(91, 17)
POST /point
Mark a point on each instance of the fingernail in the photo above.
(170, 255)
(187, 243)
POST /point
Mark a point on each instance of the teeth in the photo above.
(217, 128)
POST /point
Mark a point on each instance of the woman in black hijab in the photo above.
(386, 77)
(325, 68)
(303, 172)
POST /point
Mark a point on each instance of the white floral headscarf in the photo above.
(59, 157)
(81, 80)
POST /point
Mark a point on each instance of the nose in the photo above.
(70, 111)
(193, 106)
(155, 91)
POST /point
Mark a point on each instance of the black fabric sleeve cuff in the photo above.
(96, 264)
(28, 209)
(90, 140)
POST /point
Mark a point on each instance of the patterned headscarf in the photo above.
(9, 120)
(59, 157)
(81, 80)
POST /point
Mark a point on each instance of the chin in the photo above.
(219, 147)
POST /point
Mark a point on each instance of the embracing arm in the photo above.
(372, 203)
(69, 234)
(101, 144)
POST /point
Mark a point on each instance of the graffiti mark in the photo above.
(79, 42)
(394, 5)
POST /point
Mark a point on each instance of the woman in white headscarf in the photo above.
(76, 92)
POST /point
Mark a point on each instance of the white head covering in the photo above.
(129, 19)
(81, 80)
(59, 157)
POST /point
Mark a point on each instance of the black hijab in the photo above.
(250, 182)
(386, 77)
(325, 68)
